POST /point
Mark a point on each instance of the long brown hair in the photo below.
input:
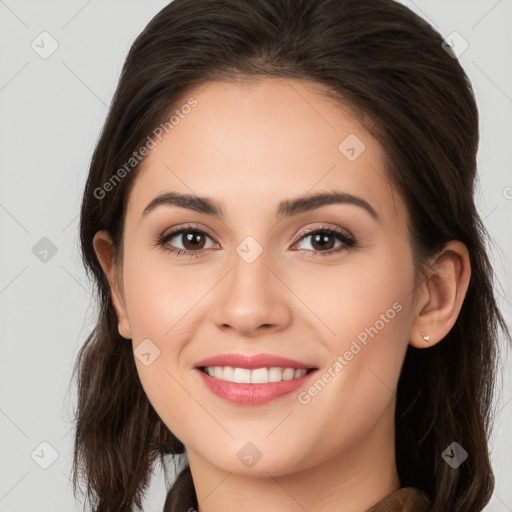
(389, 67)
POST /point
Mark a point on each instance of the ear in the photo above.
(103, 247)
(441, 296)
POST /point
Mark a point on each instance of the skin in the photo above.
(249, 146)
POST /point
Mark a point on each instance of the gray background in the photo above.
(51, 113)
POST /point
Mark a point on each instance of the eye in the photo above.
(193, 241)
(323, 241)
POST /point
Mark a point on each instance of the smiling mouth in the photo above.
(262, 375)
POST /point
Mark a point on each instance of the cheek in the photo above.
(165, 309)
(160, 294)
(366, 298)
(162, 303)
(365, 310)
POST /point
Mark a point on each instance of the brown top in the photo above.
(406, 499)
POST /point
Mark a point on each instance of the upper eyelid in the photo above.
(175, 231)
(335, 229)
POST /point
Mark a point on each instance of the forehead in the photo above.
(252, 143)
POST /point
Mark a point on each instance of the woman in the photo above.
(294, 288)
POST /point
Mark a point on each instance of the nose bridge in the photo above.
(251, 268)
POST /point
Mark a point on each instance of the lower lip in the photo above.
(253, 394)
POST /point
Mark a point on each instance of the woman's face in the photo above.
(260, 284)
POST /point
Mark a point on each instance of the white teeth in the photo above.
(299, 373)
(255, 376)
(275, 374)
(242, 375)
(259, 376)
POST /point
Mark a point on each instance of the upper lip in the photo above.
(251, 361)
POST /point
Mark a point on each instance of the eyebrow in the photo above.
(286, 208)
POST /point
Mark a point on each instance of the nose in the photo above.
(252, 299)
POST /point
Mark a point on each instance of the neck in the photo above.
(360, 474)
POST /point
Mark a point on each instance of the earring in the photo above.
(426, 337)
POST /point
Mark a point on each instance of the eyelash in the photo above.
(347, 241)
